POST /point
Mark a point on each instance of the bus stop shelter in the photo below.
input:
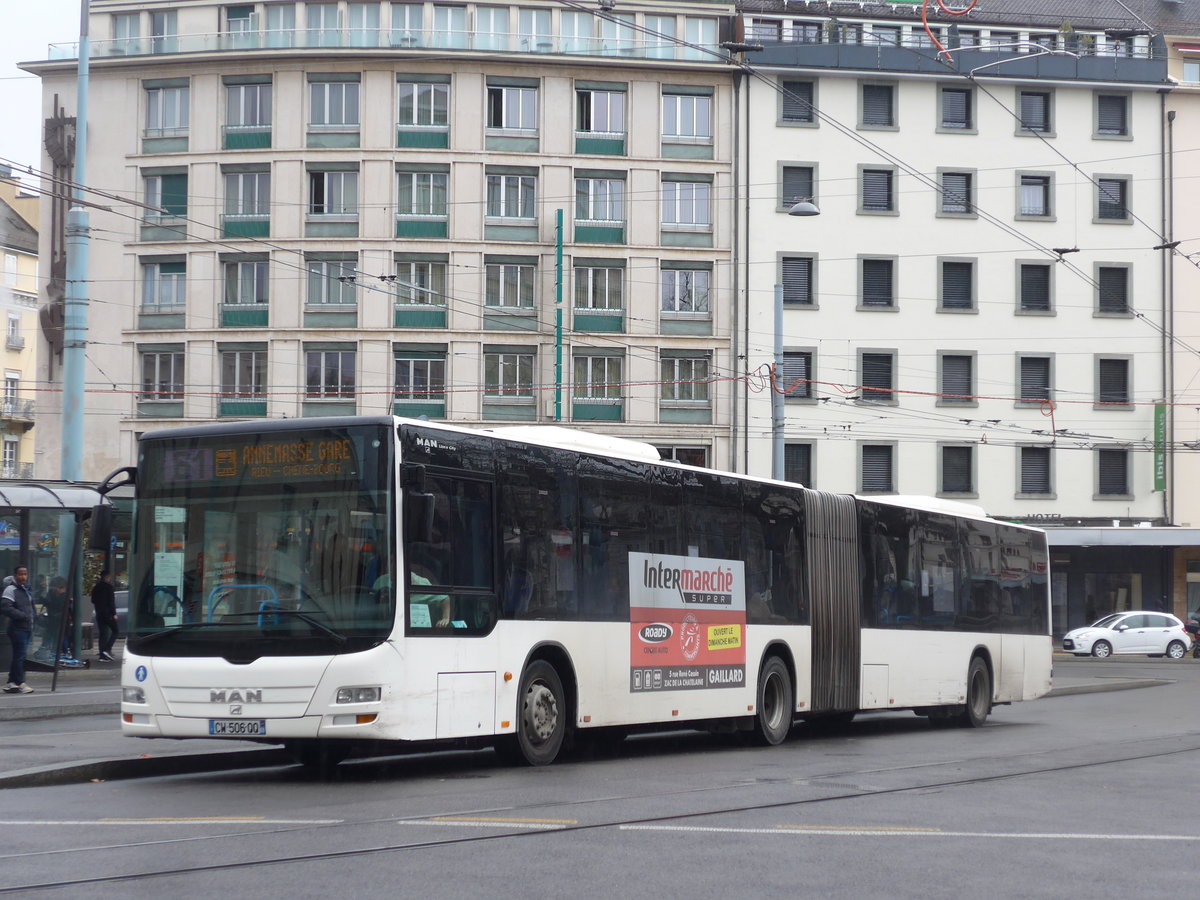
(37, 520)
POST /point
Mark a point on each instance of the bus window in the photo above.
(939, 574)
(712, 515)
(891, 548)
(538, 533)
(774, 524)
(613, 523)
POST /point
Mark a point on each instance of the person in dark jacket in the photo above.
(16, 605)
(105, 602)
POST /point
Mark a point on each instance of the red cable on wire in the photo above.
(948, 11)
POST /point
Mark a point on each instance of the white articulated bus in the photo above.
(374, 584)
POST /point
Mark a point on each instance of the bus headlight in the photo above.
(358, 694)
(133, 695)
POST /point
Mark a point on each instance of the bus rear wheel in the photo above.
(541, 715)
(979, 695)
(776, 704)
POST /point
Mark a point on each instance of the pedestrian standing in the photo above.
(16, 605)
(104, 600)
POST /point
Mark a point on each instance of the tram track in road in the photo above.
(517, 822)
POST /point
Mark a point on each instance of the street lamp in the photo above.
(802, 209)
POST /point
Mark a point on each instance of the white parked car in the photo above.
(1139, 631)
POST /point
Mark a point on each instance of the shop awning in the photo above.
(62, 495)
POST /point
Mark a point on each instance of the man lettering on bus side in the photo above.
(16, 605)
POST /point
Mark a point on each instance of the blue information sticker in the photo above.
(140, 673)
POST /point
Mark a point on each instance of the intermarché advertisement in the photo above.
(687, 624)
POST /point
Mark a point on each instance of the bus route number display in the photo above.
(687, 623)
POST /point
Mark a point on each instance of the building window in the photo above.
(958, 470)
(333, 194)
(685, 290)
(10, 270)
(511, 196)
(422, 195)
(1112, 115)
(878, 105)
(1035, 287)
(684, 379)
(331, 282)
(14, 340)
(600, 200)
(957, 194)
(796, 183)
(168, 193)
(509, 285)
(686, 203)
(420, 376)
(1035, 470)
(796, 378)
(1112, 289)
(246, 282)
(127, 31)
(333, 104)
(1112, 382)
(1112, 199)
(163, 285)
(957, 379)
(957, 285)
(796, 276)
(508, 375)
(162, 375)
(1112, 473)
(167, 111)
(329, 373)
(420, 282)
(599, 288)
(597, 378)
(12, 447)
(1191, 72)
(877, 283)
(1033, 197)
(163, 31)
(799, 102)
(797, 464)
(689, 456)
(877, 190)
(243, 374)
(248, 195)
(1035, 112)
(957, 109)
(247, 106)
(512, 108)
(877, 377)
(423, 105)
(686, 118)
(600, 112)
(1035, 379)
(878, 469)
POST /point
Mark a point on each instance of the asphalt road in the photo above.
(1079, 795)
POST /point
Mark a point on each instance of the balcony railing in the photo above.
(629, 47)
(21, 471)
(15, 342)
(17, 410)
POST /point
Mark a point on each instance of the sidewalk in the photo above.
(79, 692)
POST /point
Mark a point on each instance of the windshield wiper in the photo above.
(175, 629)
(307, 620)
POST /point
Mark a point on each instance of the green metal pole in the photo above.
(558, 343)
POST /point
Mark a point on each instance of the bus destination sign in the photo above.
(298, 458)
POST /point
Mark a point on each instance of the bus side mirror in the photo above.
(100, 538)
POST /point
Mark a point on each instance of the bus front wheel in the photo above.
(776, 705)
(541, 715)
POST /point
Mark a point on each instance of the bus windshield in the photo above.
(263, 543)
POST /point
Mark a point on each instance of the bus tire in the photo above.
(776, 703)
(979, 695)
(541, 715)
(320, 756)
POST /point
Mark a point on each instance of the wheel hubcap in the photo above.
(772, 707)
(541, 712)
